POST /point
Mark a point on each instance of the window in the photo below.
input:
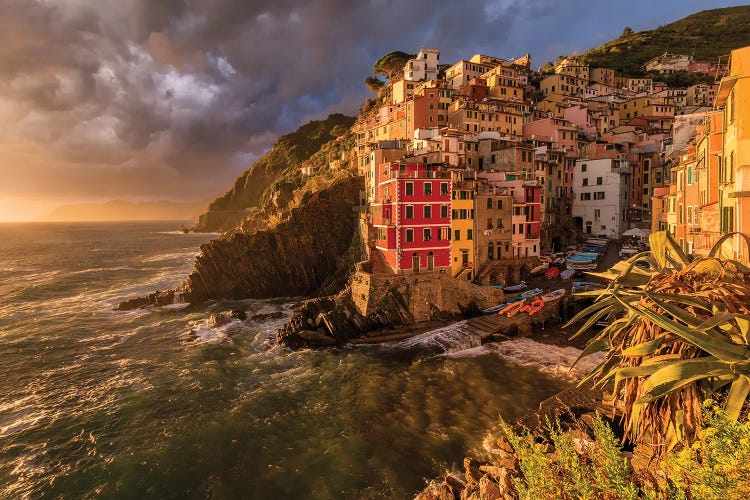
(469, 234)
(444, 188)
(456, 234)
(583, 167)
(409, 214)
(489, 223)
(599, 181)
(489, 202)
(427, 188)
(444, 234)
(444, 211)
(409, 235)
(409, 188)
(585, 196)
(499, 204)
(427, 234)
(597, 214)
(585, 181)
(428, 212)
(599, 195)
(680, 216)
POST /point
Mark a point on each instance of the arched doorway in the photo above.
(491, 251)
(430, 261)
(415, 262)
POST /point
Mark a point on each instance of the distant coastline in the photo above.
(122, 210)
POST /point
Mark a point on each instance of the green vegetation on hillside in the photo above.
(707, 35)
(282, 162)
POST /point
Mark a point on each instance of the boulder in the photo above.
(473, 473)
(218, 320)
(239, 314)
(265, 317)
(315, 338)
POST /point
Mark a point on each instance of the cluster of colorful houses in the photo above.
(483, 162)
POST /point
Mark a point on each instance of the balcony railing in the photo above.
(383, 221)
(420, 175)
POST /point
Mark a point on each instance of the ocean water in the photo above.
(153, 403)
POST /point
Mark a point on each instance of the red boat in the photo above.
(553, 272)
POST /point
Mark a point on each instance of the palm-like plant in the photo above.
(678, 332)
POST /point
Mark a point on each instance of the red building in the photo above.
(411, 215)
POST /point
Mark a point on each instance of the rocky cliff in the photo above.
(296, 257)
(273, 178)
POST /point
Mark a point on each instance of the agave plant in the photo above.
(678, 333)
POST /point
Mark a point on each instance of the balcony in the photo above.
(420, 175)
(383, 221)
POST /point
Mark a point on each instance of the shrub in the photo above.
(678, 332)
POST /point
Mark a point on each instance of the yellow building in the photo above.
(462, 228)
(563, 84)
(647, 106)
(473, 117)
(402, 90)
(734, 175)
(505, 81)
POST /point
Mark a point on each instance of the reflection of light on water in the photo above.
(457, 341)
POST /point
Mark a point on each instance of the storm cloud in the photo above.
(173, 98)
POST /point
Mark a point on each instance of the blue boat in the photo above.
(515, 288)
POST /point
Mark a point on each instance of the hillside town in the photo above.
(486, 161)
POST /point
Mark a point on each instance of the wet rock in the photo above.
(218, 320)
(316, 339)
(473, 473)
(239, 314)
(455, 485)
(154, 299)
(265, 317)
(489, 490)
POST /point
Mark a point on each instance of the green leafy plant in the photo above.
(678, 332)
(717, 464)
(601, 471)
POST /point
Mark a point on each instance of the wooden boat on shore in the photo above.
(531, 293)
(511, 309)
(515, 288)
(536, 306)
(540, 269)
(554, 295)
(568, 273)
(553, 272)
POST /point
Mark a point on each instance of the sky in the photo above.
(172, 99)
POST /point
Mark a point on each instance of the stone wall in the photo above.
(506, 272)
(423, 292)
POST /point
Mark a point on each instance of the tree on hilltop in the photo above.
(374, 83)
(391, 64)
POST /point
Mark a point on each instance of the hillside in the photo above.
(708, 35)
(278, 167)
(121, 210)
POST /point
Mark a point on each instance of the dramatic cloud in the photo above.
(173, 98)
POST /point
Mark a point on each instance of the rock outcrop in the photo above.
(296, 257)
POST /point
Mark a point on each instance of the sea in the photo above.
(155, 403)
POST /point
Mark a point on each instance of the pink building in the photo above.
(411, 215)
(561, 133)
